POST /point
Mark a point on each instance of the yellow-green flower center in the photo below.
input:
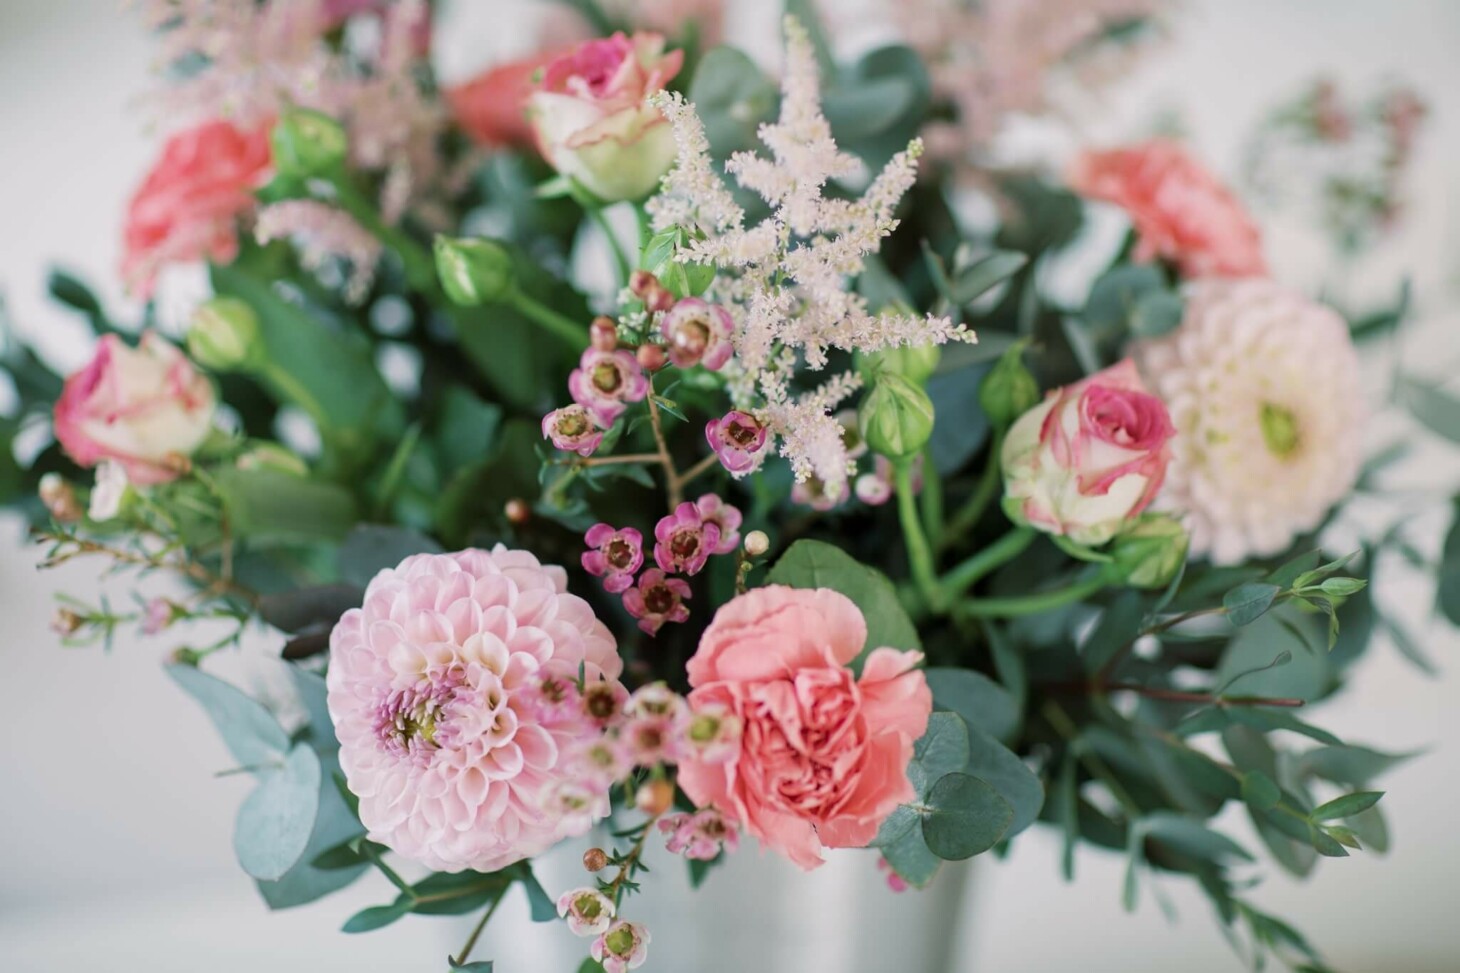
(1279, 430)
(620, 941)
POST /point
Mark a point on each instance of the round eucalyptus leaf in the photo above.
(966, 817)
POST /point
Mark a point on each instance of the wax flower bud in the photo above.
(757, 543)
(595, 859)
(896, 417)
(914, 363)
(473, 271)
(1150, 551)
(308, 143)
(224, 335)
(655, 797)
(1009, 389)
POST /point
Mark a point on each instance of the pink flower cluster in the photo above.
(684, 542)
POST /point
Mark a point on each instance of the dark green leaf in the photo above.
(271, 506)
(542, 907)
(1000, 767)
(973, 281)
(1346, 806)
(815, 564)
(1248, 602)
(732, 97)
(1447, 595)
(943, 749)
(371, 548)
(377, 916)
(1190, 837)
(1118, 627)
(908, 853)
(1350, 764)
(1436, 409)
(975, 697)
(1259, 791)
(967, 816)
(308, 608)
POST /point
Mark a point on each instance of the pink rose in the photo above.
(492, 107)
(147, 408)
(1088, 458)
(593, 120)
(825, 755)
(188, 207)
(1179, 209)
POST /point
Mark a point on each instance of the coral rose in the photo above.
(593, 120)
(434, 692)
(188, 207)
(1180, 211)
(824, 755)
(1089, 458)
(147, 408)
(492, 107)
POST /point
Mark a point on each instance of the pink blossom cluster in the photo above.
(684, 541)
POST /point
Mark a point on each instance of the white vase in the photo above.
(755, 912)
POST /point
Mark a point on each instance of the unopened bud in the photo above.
(603, 333)
(308, 143)
(518, 511)
(651, 357)
(896, 417)
(914, 363)
(655, 797)
(66, 622)
(59, 498)
(757, 543)
(658, 298)
(224, 335)
(640, 281)
(595, 859)
(473, 271)
(1150, 551)
(1009, 389)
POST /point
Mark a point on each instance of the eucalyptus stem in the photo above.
(983, 494)
(625, 268)
(476, 933)
(560, 325)
(1005, 549)
(919, 554)
(1066, 728)
(1020, 605)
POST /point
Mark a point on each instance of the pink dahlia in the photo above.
(433, 689)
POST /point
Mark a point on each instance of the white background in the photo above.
(114, 838)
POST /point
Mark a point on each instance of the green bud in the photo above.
(224, 336)
(914, 363)
(271, 456)
(473, 271)
(1150, 551)
(896, 417)
(1009, 389)
(308, 143)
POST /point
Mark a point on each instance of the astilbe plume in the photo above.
(323, 234)
(784, 279)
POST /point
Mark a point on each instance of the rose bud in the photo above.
(593, 120)
(1009, 389)
(1089, 458)
(147, 408)
(308, 143)
(224, 335)
(896, 417)
(1150, 551)
(473, 271)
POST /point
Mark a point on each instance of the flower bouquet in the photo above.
(628, 444)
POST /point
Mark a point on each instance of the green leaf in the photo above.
(250, 731)
(1289, 572)
(315, 607)
(981, 276)
(1370, 828)
(732, 96)
(1436, 409)
(334, 824)
(1001, 768)
(591, 965)
(1067, 813)
(1156, 313)
(966, 817)
(1346, 806)
(975, 697)
(1259, 791)
(371, 548)
(275, 821)
(1190, 837)
(1248, 602)
(1341, 587)
(270, 506)
(1447, 594)
(1327, 845)
(1114, 297)
(1350, 764)
(908, 854)
(1119, 626)
(542, 907)
(943, 749)
(1008, 664)
(1267, 659)
(377, 916)
(480, 966)
(815, 564)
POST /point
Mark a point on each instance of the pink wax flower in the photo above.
(188, 207)
(739, 439)
(147, 408)
(830, 751)
(605, 381)
(685, 540)
(698, 333)
(157, 616)
(492, 107)
(817, 494)
(572, 429)
(433, 688)
(601, 762)
(717, 512)
(593, 120)
(1090, 457)
(657, 599)
(589, 912)
(894, 881)
(1180, 211)
(654, 729)
(713, 733)
(615, 555)
(701, 836)
(623, 947)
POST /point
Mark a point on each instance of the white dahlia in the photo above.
(1263, 388)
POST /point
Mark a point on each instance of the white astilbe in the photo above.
(322, 234)
(785, 280)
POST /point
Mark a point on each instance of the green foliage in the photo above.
(1447, 596)
(814, 564)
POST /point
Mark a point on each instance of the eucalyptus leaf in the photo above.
(377, 917)
(250, 731)
(975, 697)
(371, 548)
(1260, 791)
(966, 817)
(1190, 837)
(816, 564)
(271, 506)
(1000, 767)
(1447, 594)
(1346, 806)
(275, 821)
(1248, 602)
(943, 749)
(1350, 764)
(732, 96)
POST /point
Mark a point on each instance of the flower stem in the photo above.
(919, 554)
(672, 484)
(419, 265)
(1173, 696)
(559, 324)
(971, 571)
(703, 466)
(476, 933)
(932, 498)
(1033, 604)
(983, 494)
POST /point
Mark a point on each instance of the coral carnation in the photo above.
(825, 754)
(432, 689)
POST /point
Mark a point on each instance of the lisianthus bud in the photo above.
(1089, 458)
(1150, 551)
(896, 417)
(473, 270)
(224, 335)
(1009, 389)
(308, 143)
(914, 363)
